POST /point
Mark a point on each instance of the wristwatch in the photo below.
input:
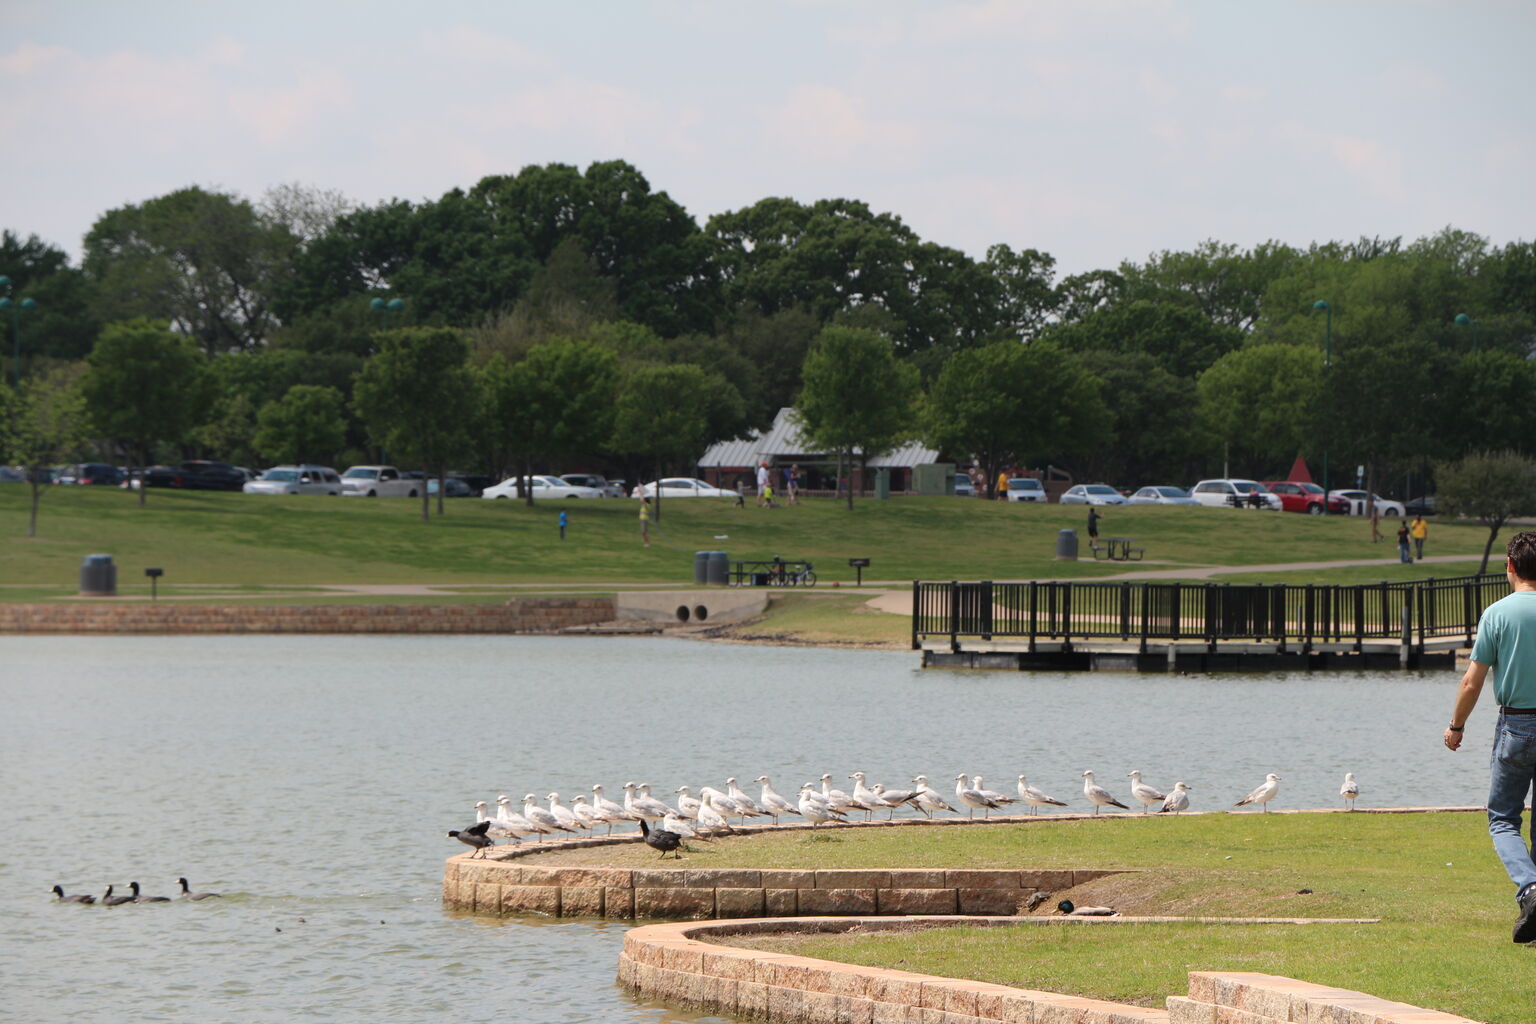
(1456, 728)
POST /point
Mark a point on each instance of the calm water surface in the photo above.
(311, 780)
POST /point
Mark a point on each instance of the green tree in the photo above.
(1182, 340)
(856, 397)
(557, 402)
(1154, 420)
(45, 423)
(208, 262)
(417, 397)
(1491, 487)
(662, 416)
(62, 326)
(305, 425)
(145, 385)
(1264, 401)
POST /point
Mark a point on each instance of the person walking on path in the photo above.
(1419, 530)
(762, 483)
(645, 520)
(1506, 643)
(792, 486)
(564, 522)
(1002, 485)
(1093, 523)
(1403, 554)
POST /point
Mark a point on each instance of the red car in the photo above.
(1305, 497)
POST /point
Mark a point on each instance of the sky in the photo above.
(1095, 130)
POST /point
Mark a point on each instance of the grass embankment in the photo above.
(260, 541)
(1443, 940)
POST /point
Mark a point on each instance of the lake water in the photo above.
(312, 779)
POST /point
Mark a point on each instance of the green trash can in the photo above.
(882, 483)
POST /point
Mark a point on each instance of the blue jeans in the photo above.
(1514, 771)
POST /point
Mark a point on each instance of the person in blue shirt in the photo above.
(564, 521)
(1506, 645)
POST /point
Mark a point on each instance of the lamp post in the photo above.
(1327, 367)
(1462, 320)
(378, 305)
(15, 308)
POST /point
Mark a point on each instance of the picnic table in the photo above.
(1117, 549)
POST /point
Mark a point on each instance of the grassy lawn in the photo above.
(1432, 879)
(209, 537)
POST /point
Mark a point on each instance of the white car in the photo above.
(541, 487)
(303, 479)
(377, 482)
(1026, 488)
(1234, 493)
(1160, 494)
(1356, 501)
(683, 487)
(1092, 494)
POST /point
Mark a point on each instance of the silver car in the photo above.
(296, 480)
(1161, 494)
(1092, 494)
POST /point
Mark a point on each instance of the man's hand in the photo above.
(1452, 739)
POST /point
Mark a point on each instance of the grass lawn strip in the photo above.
(1443, 941)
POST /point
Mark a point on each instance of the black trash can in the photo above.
(98, 576)
(717, 573)
(700, 566)
(1066, 545)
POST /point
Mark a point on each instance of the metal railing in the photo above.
(1305, 615)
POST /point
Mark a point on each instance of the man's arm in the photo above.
(1466, 699)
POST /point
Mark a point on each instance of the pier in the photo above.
(1198, 627)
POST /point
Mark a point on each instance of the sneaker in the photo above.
(1525, 928)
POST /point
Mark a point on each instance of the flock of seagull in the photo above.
(109, 900)
(710, 813)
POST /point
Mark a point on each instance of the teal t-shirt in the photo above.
(1506, 640)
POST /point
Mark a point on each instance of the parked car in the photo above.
(455, 488)
(1092, 494)
(196, 475)
(1299, 496)
(1356, 501)
(378, 482)
(609, 488)
(1428, 505)
(12, 475)
(303, 479)
(1026, 488)
(1234, 493)
(87, 473)
(685, 487)
(1161, 494)
(963, 486)
(542, 487)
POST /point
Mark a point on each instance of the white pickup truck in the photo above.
(378, 482)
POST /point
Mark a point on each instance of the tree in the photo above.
(305, 425)
(1178, 336)
(45, 424)
(1264, 401)
(1491, 487)
(1153, 420)
(145, 385)
(417, 398)
(856, 395)
(62, 326)
(558, 401)
(662, 414)
(208, 262)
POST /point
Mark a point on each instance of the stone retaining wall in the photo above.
(671, 963)
(520, 615)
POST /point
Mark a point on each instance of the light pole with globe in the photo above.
(1323, 305)
(16, 309)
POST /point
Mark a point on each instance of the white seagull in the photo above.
(497, 829)
(643, 806)
(1350, 791)
(893, 798)
(836, 798)
(970, 797)
(815, 810)
(687, 803)
(1264, 794)
(928, 799)
(1148, 795)
(748, 806)
(711, 818)
(864, 797)
(771, 801)
(542, 821)
(1098, 795)
(589, 818)
(509, 819)
(563, 814)
(712, 797)
(1036, 799)
(1001, 799)
(1176, 801)
(610, 811)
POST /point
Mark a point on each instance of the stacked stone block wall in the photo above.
(1234, 997)
(521, 615)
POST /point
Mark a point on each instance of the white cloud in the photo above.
(820, 122)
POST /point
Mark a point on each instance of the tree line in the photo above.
(582, 315)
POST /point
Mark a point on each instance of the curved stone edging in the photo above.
(671, 962)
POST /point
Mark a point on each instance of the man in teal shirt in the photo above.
(1506, 643)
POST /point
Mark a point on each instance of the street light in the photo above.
(1327, 367)
(15, 308)
(378, 305)
(1462, 320)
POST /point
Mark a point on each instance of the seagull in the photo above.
(863, 797)
(661, 839)
(540, 818)
(712, 819)
(1350, 791)
(1036, 799)
(509, 820)
(835, 798)
(146, 899)
(771, 801)
(1001, 799)
(682, 827)
(970, 797)
(589, 818)
(928, 799)
(116, 901)
(893, 798)
(1098, 795)
(1176, 801)
(497, 828)
(473, 836)
(1264, 794)
(687, 804)
(563, 814)
(718, 801)
(643, 805)
(1145, 793)
(610, 811)
(76, 898)
(815, 810)
(188, 894)
(748, 806)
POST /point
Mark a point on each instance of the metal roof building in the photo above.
(783, 443)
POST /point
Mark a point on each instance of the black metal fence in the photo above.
(1306, 615)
